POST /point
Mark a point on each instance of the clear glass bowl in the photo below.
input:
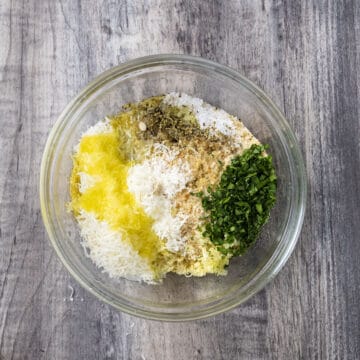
(178, 298)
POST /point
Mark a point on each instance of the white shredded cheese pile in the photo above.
(154, 183)
(207, 115)
(109, 251)
(101, 127)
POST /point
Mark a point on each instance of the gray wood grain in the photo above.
(304, 54)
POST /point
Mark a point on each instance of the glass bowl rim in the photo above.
(293, 227)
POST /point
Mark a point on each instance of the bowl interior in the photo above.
(177, 297)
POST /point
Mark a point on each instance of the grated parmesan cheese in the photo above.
(207, 115)
(154, 183)
(109, 251)
(101, 127)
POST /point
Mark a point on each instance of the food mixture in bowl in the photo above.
(170, 184)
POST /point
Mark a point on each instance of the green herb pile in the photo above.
(164, 122)
(240, 205)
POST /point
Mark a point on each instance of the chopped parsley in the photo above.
(240, 205)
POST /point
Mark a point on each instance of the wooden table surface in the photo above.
(304, 54)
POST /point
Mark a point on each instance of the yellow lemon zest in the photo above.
(109, 198)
